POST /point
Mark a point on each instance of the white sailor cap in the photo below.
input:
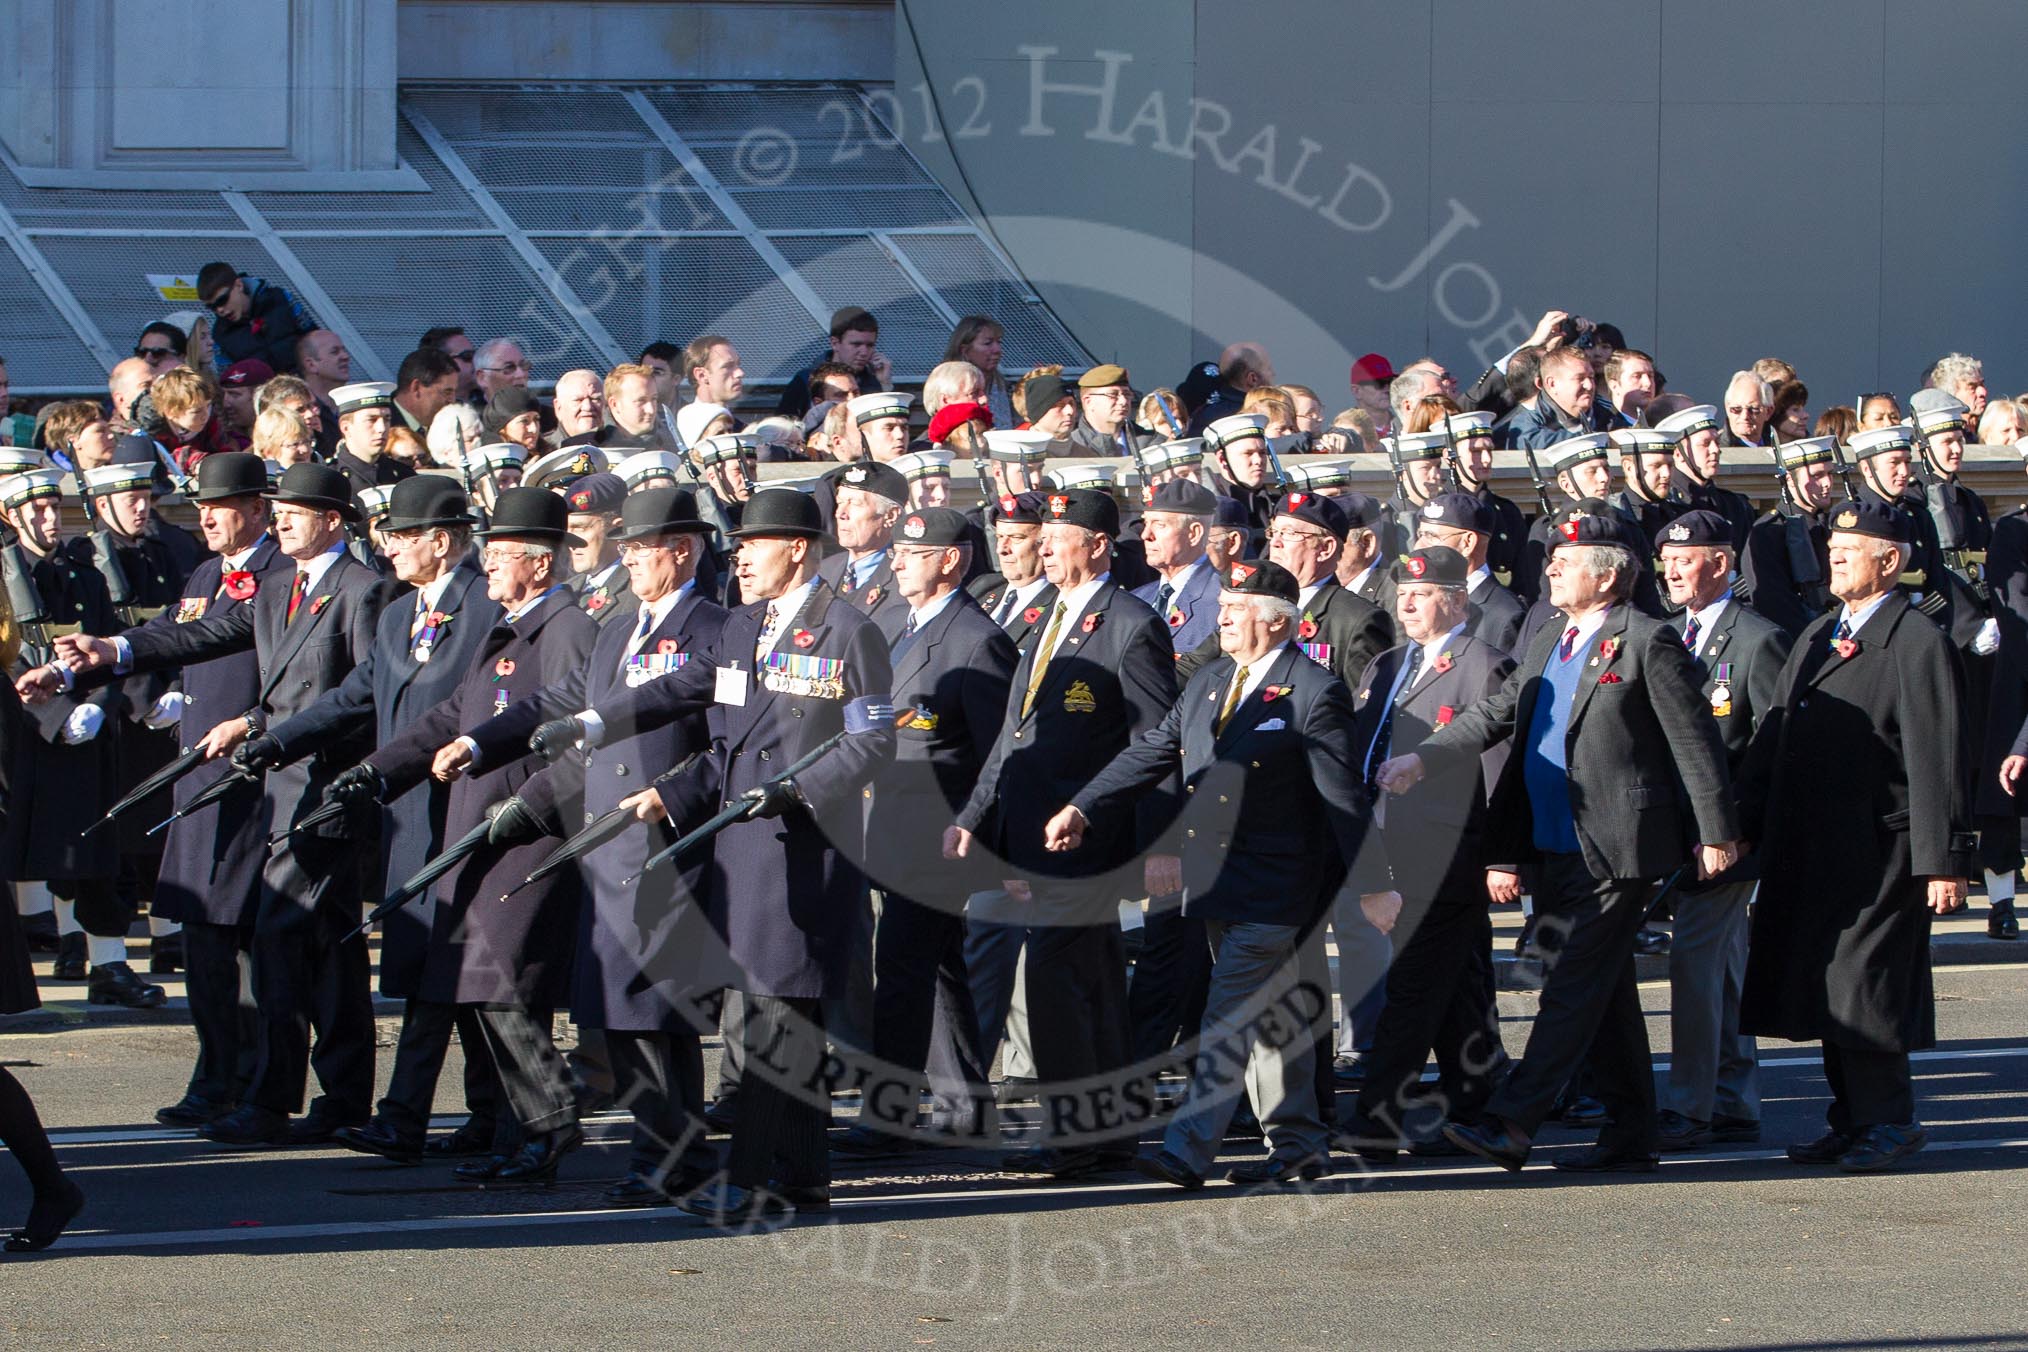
(495, 456)
(118, 478)
(1100, 477)
(1018, 445)
(20, 459)
(1642, 440)
(866, 408)
(1574, 451)
(1315, 474)
(1683, 424)
(1429, 445)
(638, 468)
(1878, 440)
(364, 394)
(16, 489)
(1807, 451)
(716, 450)
(922, 464)
(373, 501)
(1168, 455)
(1471, 423)
(1949, 417)
(1232, 430)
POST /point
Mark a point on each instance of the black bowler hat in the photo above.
(317, 486)
(1870, 519)
(1261, 577)
(424, 502)
(530, 514)
(1085, 507)
(1436, 565)
(230, 474)
(659, 511)
(936, 526)
(1459, 511)
(1184, 498)
(1314, 510)
(779, 512)
(1705, 529)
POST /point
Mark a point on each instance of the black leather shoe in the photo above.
(1489, 1140)
(462, 1144)
(1735, 1130)
(319, 1126)
(1826, 1149)
(804, 1200)
(192, 1110)
(1164, 1167)
(377, 1138)
(1435, 1148)
(1583, 1111)
(637, 1189)
(1883, 1147)
(1244, 1124)
(116, 984)
(1348, 1069)
(248, 1124)
(1598, 1159)
(862, 1142)
(542, 1157)
(1068, 1163)
(1652, 942)
(70, 958)
(1276, 1169)
(1678, 1132)
(482, 1170)
(1367, 1139)
(165, 954)
(731, 1207)
(721, 1117)
(2001, 923)
(48, 1218)
(39, 932)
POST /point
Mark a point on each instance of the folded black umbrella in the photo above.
(454, 854)
(151, 786)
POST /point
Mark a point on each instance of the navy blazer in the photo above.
(1192, 616)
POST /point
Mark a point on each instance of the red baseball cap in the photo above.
(1372, 367)
(252, 371)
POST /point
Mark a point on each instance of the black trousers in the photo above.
(426, 1028)
(659, 1078)
(1589, 999)
(1868, 1088)
(102, 910)
(1077, 997)
(731, 1018)
(1439, 999)
(922, 1009)
(778, 1140)
(533, 1079)
(221, 1009)
(1165, 1000)
(310, 978)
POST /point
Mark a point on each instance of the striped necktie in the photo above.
(1042, 656)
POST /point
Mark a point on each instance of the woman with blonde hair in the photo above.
(282, 438)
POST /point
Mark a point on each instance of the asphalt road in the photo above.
(187, 1244)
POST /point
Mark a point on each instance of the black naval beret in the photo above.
(873, 477)
(1870, 519)
(1085, 507)
(1706, 529)
(1184, 497)
(1023, 509)
(1362, 511)
(1586, 528)
(1436, 565)
(1463, 511)
(936, 526)
(1323, 513)
(1232, 513)
(600, 493)
(1261, 577)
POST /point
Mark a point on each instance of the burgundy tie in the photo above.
(1569, 643)
(296, 590)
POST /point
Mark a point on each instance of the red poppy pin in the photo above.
(1031, 615)
(1416, 564)
(241, 585)
(596, 601)
(1846, 647)
(317, 606)
(258, 326)
(503, 668)
(803, 638)
(667, 645)
(1091, 622)
(1610, 678)
(1442, 664)
(1607, 648)
(873, 595)
(1175, 619)
(1273, 693)
(1445, 713)
(1307, 629)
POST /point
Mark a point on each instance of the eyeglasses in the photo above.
(154, 353)
(510, 368)
(1744, 408)
(218, 302)
(465, 356)
(502, 554)
(1295, 536)
(631, 547)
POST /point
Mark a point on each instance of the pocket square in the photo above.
(1272, 725)
(1610, 678)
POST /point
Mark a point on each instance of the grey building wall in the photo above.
(1834, 181)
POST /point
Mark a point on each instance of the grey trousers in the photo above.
(1713, 1069)
(1249, 1033)
(996, 947)
(1364, 955)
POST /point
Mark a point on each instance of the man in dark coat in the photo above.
(496, 947)
(2007, 702)
(1264, 726)
(424, 645)
(1439, 991)
(1460, 522)
(211, 859)
(784, 881)
(74, 765)
(1785, 571)
(1857, 792)
(1694, 431)
(1101, 674)
(307, 973)
(952, 667)
(870, 500)
(1711, 1093)
(1617, 768)
(1472, 437)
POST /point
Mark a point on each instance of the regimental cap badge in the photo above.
(1846, 519)
(1058, 504)
(582, 500)
(1295, 500)
(1241, 572)
(856, 475)
(1433, 511)
(1007, 504)
(913, 528)
(1570, 528)
(1416, 564)
(1679, 532)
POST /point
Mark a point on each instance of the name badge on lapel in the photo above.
(730, 687)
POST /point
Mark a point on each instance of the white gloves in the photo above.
(83, 724)
(1987, 641)
(168, 711)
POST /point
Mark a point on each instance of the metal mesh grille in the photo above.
(972, 280)
(41, 351)
(848, 208)
(853, 270)
(108, 275)
(701, 116)
(392, 290)
(676, 289)
(444, 206)
(91, 208)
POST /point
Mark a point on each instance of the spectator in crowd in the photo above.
(855, 345)
(513, 415)
(1564, 406)
(161, 345)
(425, 382)
(1105, 402)
(406, 446)
(2004, 422)
(1788, 411)
(980, 340)
(455, 430)
(778, 439)
(237, 386)
(1964, 379)
(252, 318)
(282, 438)
(79, 435)
(695, 422)
(187, 402)
(498, 365)
(1879, 409)
(952, 382)
(711, 365)
(580, 404)
(1748, 400)
(453, 343)
(1242, 367)
(665, 359)
(1049, 403)
(1161, 414)
(629, 392)
(325, 364)
(1774, 370)
(836, 438)
(1630, 381)
(1836, 421)
(200, 353)
(1270, 403)
(829, 382)
(291, 393)
(1404, 392)
(1309, 410)
(1372, 380)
